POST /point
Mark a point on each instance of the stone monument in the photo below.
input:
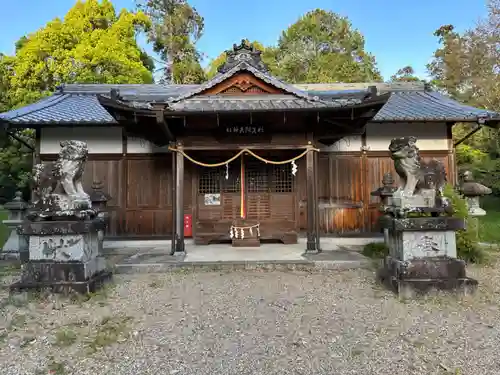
(421, 234)
(62, 228)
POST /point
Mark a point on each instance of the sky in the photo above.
(398, 33)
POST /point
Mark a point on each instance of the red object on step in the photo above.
(188, 225)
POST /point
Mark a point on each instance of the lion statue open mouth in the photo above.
(58, 185)
(415, 173)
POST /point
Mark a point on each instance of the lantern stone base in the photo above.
(421, 276)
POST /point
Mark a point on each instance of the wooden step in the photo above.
(246, 242)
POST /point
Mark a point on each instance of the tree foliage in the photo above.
(92, 44)
(467, 67)
(405, 74)
(176, 27)
(322, 47)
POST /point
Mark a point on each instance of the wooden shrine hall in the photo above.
(243, 158)
(244, 133)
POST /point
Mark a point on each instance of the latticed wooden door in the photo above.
(257, 180)
(268, 192)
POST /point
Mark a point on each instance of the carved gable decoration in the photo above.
(243, 84)
(244, 52)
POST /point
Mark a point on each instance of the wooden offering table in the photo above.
(245, 233)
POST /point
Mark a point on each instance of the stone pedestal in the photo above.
(423, 256)
(63, 255)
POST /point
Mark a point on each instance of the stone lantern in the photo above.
(99, 201)
(472, 191)
(385, 192)
(16, 243)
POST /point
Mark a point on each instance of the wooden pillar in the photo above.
(179, 201)
(312, 244)
(173, 202)
(452, 166)
(316, 199)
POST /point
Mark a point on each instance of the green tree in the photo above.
(92, 44)
(323, 47)
(405, 74)
(176, 27)
(466, 66)
(15, 164)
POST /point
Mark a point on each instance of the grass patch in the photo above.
(99, 297)
(109, 331)
(489, 225)
(65, 337)
(9, 268)
(375, 250)
(4, 231)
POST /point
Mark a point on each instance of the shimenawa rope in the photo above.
(309, 148)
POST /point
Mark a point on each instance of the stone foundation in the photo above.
(63, 255)
(422, 275)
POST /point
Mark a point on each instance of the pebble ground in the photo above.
(252, 322)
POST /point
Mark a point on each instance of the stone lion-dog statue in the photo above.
(415, 173)
(58, 185)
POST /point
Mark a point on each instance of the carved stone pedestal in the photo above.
(63, 256)
(421, 276)
(423, 256)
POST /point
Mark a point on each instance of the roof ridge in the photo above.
(381, 86)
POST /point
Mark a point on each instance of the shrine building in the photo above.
(244, 154)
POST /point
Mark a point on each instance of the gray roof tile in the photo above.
(255, 103)
(61, 109)
(428, 106)
(78, 104)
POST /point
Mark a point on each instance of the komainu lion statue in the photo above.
(416, 174)
(58, 185)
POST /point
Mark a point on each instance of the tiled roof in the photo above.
(429, 106)
(61, 109)
(256, 103)
(243, 66)
(78, 104)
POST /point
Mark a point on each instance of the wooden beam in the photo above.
(452, 165)
(316, 202)
(253, 146)
(311, 245)
(173, 202)
(179, 201)
(160, 120)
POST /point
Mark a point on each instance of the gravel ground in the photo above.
(252, 323)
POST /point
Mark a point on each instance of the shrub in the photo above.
(468, 248)
(375, 250)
